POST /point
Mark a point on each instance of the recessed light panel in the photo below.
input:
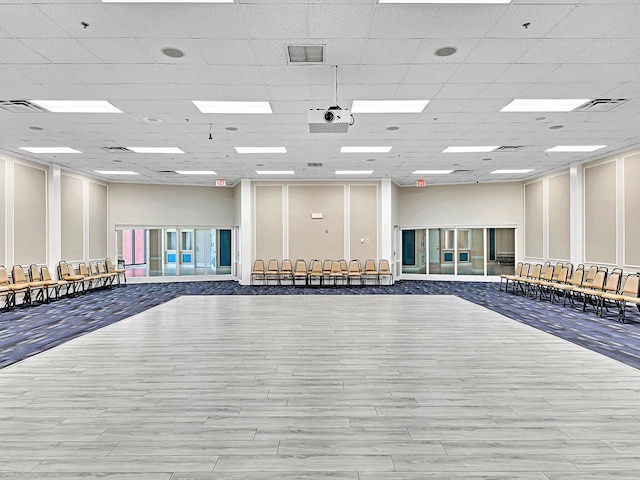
(523, 170)
(477, 149)
(196, 172)
(575, 148)
(388, 106)
(432, 172)
(275, 172)
(50, 150)
(354, 172)
(116, 172)
(544, 105)
(77, 106)
(155, 149)
(232, 107)
(447, 1)
(365, 149)
(261, 149)
(167, 1)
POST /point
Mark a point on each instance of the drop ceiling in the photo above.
(89, 50)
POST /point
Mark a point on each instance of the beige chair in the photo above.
(336, 272)
(590, 275)
(525, 282)
(611, 286)
(50, 284)
(6, 291)
(384, 272)
(563, 275)
(272, 272)
(354, 272)
(300, 273)
(109, 277)
(508, 277)
(121, 272)
(258, 271)
(35, 279)
(22, 285)
(629, 293)
(519, 275)
(370, 272)
(315, 275)
(591, 292)
(539, 285)
(66, 273)
(344, 267)
(90, 281)
(326, 271)
(286, 271)
(567, 288)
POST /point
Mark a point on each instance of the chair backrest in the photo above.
(70, 269)
(34, 273)
(563, 274)
(101, 268)
(258, 266)
(613, 281)
(44, 274)
(569, 267)
(383, 266)
(343, 266)
(518, 269)
(84, 271)
(301, 267)
(370, 266)
(576, 278)
(631, 287)
(272, 266)
(591, 274)
(545, 266)
(109, 264)
(335, 268)
(547, 275)
(315, 268)
(4, 276)
(326, 267)
(286, 266)
(63, 269)
(556, 269)
(93, 268)
(599, 280)
(17, 272)
(524, 272)
(354, 266)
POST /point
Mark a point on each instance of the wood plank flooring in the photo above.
(319, 387)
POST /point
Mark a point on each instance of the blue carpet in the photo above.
(28, 331)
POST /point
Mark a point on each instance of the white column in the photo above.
(386, 221)
(54, 240)
(246, 232)
(576, 214)
(8, 212)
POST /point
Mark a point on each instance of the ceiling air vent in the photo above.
(461, 171)
(20, 106)
(601, 105)
(170, 172)
(313, 164)
(116, 149)
(305, 54)
(509, 148)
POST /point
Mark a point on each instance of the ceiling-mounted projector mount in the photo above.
(332, 119)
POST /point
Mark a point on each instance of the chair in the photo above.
(36, 279)
(258, 271)
(384, 271)
(6, 291)
(300, 273)
(344, 267)
(524, 282)
(326, 271)
(109, 277)
(370, 272)
(286, 271)
(591, 274)
(354, 272)
(611, 286)
(545, 280)
(272, 272)
(556, 270)
(121, 272)
(524, 272)
(591, 291)
(89, 279)
(66, 273)
(508, 277)
(49, 283)
(21, 285)
(336, 272)
(563, 275)
(630, 293)
(567, 288)
(315, 273)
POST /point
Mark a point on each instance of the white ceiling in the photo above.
(571, 49)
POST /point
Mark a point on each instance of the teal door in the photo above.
(408, 247)
(225, 248)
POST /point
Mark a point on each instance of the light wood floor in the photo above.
(319, 387)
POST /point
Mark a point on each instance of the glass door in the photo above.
(470, 251)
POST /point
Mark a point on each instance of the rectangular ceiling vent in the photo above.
(601, 105)
(313, 164)
(20, 106)
(461, 171)
(509, 148)
(168, 172)
(116, 149)
(305, 54)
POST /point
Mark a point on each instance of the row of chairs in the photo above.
(596, 287)
(317, 273)
(35, 284)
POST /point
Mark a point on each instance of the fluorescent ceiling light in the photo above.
(261, 149)
(445, 1)
(275, 172)
(155, 149)
(77, 106)
(196, 172)
(232, 107)
(481, 149)
(116, 172)
(50, 150)
(575, 148)
(523, 170)
(365, 149)
(432, 172)
(388, 106)
(167, 1)
(544, 105)
(354, 172)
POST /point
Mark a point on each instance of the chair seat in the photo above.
(73, 278)
(36, 284)
(19, 287)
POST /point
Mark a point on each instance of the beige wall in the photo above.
(98, 201)
(72, 217)
(363, 220)
(30, 214)
(600, 225)
(559, 217)
(269, 218)
(3, 220)
(533, 220)
(632, 210)
(310, 238)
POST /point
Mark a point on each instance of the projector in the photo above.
(329, 120)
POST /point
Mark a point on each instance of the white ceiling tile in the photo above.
(390, 51)
(554, 50)
(275, 21)
(13, 51)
